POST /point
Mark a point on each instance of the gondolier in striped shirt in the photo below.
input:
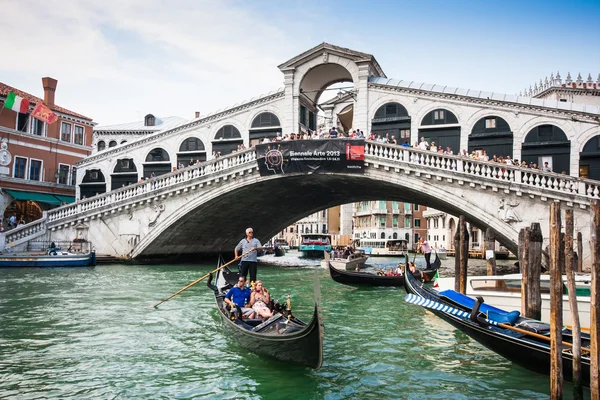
(252, 246)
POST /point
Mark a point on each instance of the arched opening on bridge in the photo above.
(264, 125)
(101, 145)
(112, 143)
(441, 127)
(123, 141)
(492, 134)
(93, 183)
(589, 159)
(27, 210)
(547, 144)
(125, 173)
(157, 162)
(191, 150)
(227, 139)
(392, 119)
(324, 91)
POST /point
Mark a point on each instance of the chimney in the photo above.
(49, 85)
(197, 114)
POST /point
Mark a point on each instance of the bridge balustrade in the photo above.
(28, 231)
(140, 189)
(487, 169)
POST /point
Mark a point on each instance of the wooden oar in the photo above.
(453, 311)
(201, 279)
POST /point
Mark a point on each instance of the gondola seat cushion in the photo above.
(493, 313)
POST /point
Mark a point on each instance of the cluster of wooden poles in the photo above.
(561, 259)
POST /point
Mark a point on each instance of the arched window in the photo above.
(149, 120)
(227, 140)
(391, 110)
(125, 173)
(395, 235)
(383, 235)
(123, 141)
(492, 134)
(589, 159)
(157, 155)
(192, 144)
(265, 120)
(101, 145)
(439, 117)
(191, 150)
(228, 132)
(547, 144)
(112, 143)
(93, 183)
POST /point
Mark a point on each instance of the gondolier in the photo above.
(251, 246)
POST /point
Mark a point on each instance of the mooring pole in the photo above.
(457, 251)
(556, 372)
(579, 253)
(464, 253)
(576, 328)
(534, 265)
(524, 268)
(490, 248)
(595, 303)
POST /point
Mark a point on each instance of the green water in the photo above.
(92, 333)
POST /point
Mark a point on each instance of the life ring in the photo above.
(53, 253)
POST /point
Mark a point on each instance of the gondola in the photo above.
(283, 337)
(516, 338)
(366, 279)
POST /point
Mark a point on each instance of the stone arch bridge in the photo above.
(206, 207)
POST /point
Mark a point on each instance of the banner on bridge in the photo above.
(311, 156)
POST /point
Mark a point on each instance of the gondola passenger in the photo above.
(260, 299)
(240, 295)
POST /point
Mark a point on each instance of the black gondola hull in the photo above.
(529, 354)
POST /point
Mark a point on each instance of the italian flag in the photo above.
(16, 103)
(435, 282)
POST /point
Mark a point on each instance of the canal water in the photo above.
(92, 333)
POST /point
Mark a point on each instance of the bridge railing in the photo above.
(24, 233)
(491, 170)
(151, 185)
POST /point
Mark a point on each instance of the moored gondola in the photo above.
(283, 336)
(366, 279)
(521, 340)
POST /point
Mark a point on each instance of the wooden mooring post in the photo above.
(490, 248)
(464, 253)
(556, 293)
(595, 303)
(579, 253)
(457, 251)
(523, 268)
(534, 265)
(576, 328)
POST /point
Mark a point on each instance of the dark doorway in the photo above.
(392, 118)
(157, 162)
(444, 136)
(125, 173)
(93, 184)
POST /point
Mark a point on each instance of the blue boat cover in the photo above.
(493, 313)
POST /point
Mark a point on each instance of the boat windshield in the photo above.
(315, 239)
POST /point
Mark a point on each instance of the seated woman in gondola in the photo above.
(416, 272)
(259, 301)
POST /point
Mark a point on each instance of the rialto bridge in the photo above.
(205, 207)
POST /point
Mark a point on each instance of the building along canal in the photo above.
(93, 333)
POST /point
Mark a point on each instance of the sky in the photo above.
(118, 60)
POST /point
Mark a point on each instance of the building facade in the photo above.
(383, 220)
(441, 228)
(39, 167)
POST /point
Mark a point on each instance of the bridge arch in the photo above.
(157, 162)
(202, 218)
(589, 159)
(92, 183)
(391, 117)
(124, 173)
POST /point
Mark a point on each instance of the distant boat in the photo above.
(349, 263)
(383, 247)
(314, 244)
(52, 257)
(504, 291)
